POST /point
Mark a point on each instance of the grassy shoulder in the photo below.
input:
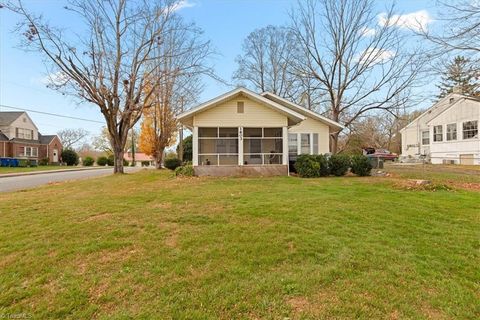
(148, 245)
(30, 169)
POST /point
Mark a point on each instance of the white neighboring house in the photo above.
(445, 133)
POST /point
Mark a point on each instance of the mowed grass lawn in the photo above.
(30, 169)
(151, 246)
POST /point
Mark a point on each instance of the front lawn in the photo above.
(148, 245)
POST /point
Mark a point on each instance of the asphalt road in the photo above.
(31, 181)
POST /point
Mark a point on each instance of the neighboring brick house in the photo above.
(19, 138)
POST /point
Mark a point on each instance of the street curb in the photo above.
(33, 173)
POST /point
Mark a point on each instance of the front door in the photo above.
(55, 155)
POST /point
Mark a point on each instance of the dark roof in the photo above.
(45, 139)
(25, 140)
(8, 117)
(3, 137)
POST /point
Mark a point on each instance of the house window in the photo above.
(292, 145)
(315, 143)
(240, 106)
(425, 138)
(470, 129)
(451, 131)
(305, 143)
(438, 133)
(21, 133)
(28, 152)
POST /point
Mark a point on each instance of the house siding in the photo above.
(314, 126)
(254, 115)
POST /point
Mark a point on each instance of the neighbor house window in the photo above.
(305, 143)
(425, 138)
(470, 129)
(438, 133)
(218, 146)
(21, 133)
(28, 152)
(262, 146)
(451, 131)
(240, 107)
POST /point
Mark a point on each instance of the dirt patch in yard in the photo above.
(315, 306)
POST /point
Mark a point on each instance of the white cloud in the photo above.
(367, 32)
(181, 4)
(415, 21)
(375, 55)
(57, 79)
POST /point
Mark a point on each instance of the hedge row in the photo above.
(312, 166)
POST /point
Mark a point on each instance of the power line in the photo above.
(51, 114)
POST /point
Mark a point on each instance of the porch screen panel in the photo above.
(217, 146)
(262, 146)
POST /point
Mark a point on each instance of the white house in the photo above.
(243, 133)
(445, 133)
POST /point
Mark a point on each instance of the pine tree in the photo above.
(460, 73)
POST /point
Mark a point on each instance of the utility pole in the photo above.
(180, 145)
(133, 147)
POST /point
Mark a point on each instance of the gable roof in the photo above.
(302, 110)
(7, 117)
(451, 105)
(3, 137)
(45, 139)
(291, 114)
(439, 107)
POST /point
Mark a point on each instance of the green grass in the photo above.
(29, 169)
(453, 174)
(147, 245)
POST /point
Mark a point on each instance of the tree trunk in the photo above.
(118, 159)
(334, 142)
(159, 158)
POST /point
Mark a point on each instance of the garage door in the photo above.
(466, 159)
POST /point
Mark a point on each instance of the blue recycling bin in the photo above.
(4, 162)
(14, 162)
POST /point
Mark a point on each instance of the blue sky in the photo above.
(225, 22)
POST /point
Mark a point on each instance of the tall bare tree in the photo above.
(460, 29)
(178, 74)
(109, 63)
(359, 64)
(71, 137)
(265, 62)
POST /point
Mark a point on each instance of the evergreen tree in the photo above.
(459, 73)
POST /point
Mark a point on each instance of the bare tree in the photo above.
(110, 63)
(70, 137)
(460, 29)
(358, 64)
(265, 62)
(178, 74)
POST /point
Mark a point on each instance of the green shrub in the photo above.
(187, 149)
(361, 165)
(145, 163)
(102, 161)
(184, 171)
(22, 162)
(43, 162)
(110, 160)
(338, 164)
(70, 157)
(88, 161)
(172, 163)
(307, 166)
(33, 163)
(323, 161)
